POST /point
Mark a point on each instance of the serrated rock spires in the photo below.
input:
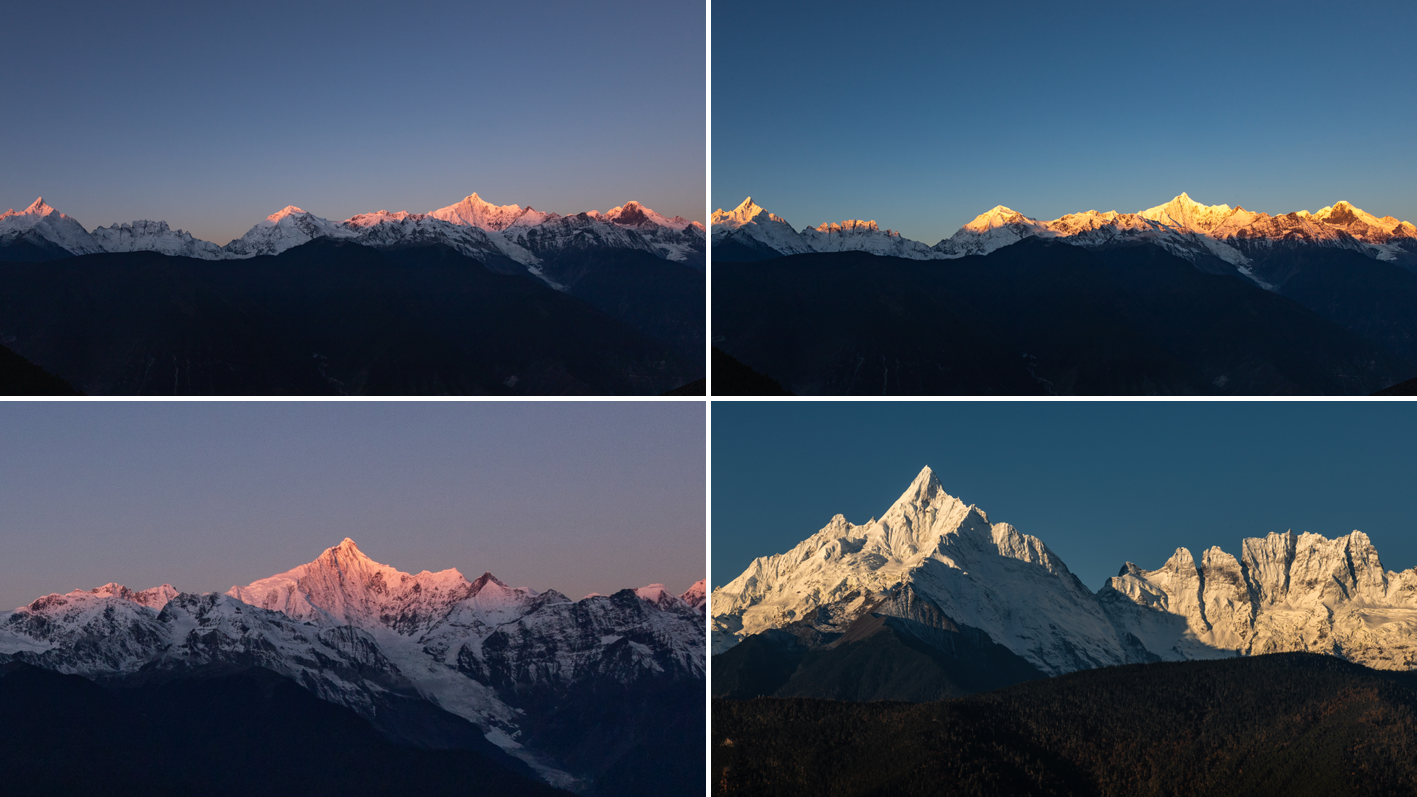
(1285, 592)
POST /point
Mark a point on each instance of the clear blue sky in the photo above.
(1100, 482)
(213, 115)
(577, 496)
(922, 115)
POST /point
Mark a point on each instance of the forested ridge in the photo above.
(1291, 724)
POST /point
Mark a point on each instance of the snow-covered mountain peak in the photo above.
(852, 225)
(379, 217)
(923, 489)
(1363, 225)
(38, 208)
(631, 214)
(288, 210)
(654, 593)
(154, 598)
(996, 217)
(855, 235)
(285, 229)
(990, 577)
(757, 228)
(636, 215)
(1188, 215)
(695, 596)
(87, 599)
(1180, 560)
(346, 554)
(363, 635)
(744, 213)
(154, 236)
(486, 580)
(474, 211)
(38, 211)
(43, 225)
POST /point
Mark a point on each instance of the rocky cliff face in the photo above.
(990, 577)
(1285, 592)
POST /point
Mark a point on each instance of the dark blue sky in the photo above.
(579, 496)
(1100, 482)
(213, 115)
(922, 115)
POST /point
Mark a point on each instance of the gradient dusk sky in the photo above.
(212, 116)
(923, 115)
(578, 496)
(1101, 483)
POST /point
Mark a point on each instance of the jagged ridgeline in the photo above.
(1179, 299)
(1216, 238)
(469, 299)
(599, 696)
(934, 601)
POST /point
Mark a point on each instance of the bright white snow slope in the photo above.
(1285, 592)
(353, 629)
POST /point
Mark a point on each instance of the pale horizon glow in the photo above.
(579, 497)
(211, 116)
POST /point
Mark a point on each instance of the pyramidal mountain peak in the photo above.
(945, 548)
(369, 637)
(747, 212)
(1283, 592)
(39, 208)
(483, 580)
(995, 217)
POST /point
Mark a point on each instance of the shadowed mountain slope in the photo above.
(325, 318)
(229, 733)
(1036, 317)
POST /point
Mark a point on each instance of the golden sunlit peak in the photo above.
(996, 216)
(849, 224)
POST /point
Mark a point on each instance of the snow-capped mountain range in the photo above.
(1285, 592)
(1199, 233)
(473, 226)
(361, 634)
